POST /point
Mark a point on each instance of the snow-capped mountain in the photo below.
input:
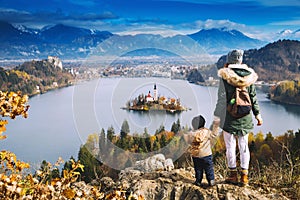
(19, 42)
(72, 42)
(221, 40)
(289, 34)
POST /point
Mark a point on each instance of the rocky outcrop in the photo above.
(177, 184)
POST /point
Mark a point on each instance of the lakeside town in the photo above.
(208, 73)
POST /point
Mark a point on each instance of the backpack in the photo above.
(240, 103)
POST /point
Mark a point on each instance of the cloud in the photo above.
(295, 22)
(93, 16)
(14, 16)
(163, 30)
(40, 19)
(210, 23)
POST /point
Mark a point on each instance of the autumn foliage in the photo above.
(11, 105)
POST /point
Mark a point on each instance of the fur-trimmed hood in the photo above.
(238, 75)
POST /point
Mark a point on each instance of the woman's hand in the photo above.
(259, 120)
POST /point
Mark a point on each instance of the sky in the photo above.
(261, 19)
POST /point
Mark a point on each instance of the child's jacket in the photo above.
(202, 142)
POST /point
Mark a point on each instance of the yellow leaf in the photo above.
(2, 137)
(3, 122)
(69, 193)
(54, 181)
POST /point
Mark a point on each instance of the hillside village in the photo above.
(36, 76)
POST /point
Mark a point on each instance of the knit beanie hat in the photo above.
(198, 122)
(235, 57)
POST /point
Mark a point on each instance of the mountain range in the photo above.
(66, 42)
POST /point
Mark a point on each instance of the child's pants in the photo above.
(230, 142)
(204, 164)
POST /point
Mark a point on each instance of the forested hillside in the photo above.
(34, 77)
(274, 62)
(286, 92)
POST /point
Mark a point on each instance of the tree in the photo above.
(296, 144)
(264, 153)
(163, 140)
(143, 146)
(102, 143)
(252, 146)
(49, 172)
(251, 137)
(91, 164)
(68, 165)
(178, 124)
(123, 142)
(147, 139)
(124, 129)
(160, 130)
(269, 137)
(92, 142)
(156, 145)
(175, 127)
(13, 78)
(259, 137)
(110, 133)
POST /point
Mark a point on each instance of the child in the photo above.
(200, 150)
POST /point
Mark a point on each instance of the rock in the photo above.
(178, 184)
(169, 164)
(153, 163)
(149, 180)
(106, 184)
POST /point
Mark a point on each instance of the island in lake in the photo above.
(155, 103)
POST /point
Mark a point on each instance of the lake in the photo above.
(60, 120)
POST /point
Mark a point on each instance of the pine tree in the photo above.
(123, 142)
(102, 144)
(124, 129)
(91, 164)
(110, 133)
(161, 129)
(163, 140)
(156, 145)
(175, 127)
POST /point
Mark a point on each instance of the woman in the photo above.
(235, 74)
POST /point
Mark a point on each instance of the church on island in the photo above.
(149, 98)
(155, 103)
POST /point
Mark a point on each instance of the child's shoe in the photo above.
(211, 183)
(197, 183)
